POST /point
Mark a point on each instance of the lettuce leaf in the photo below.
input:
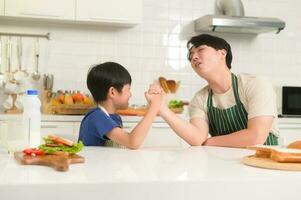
(61, 147)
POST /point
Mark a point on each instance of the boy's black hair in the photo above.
(103, 76)
(212, 41)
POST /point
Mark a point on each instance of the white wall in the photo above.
(158, 46)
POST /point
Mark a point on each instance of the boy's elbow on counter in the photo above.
(134, 145)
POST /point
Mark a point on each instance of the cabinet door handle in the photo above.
(160, 127)
(290, 127)
(49, 126)
(109, 19)
(37, 14)
(126, 127)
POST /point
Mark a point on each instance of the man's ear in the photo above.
(223, 52)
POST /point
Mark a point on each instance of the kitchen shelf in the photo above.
(47, 35)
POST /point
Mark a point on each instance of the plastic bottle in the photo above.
(32, 118)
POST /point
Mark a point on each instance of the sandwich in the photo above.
(60, 146)
(275, 153)
(262, 151)
(286, 155)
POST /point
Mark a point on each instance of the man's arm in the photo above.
(194, 132)
(256, 132)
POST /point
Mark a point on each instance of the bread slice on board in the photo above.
(295, 145)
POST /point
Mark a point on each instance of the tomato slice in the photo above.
(33, 151)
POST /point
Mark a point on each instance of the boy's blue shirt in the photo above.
(95, 125)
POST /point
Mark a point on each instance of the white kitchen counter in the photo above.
(150, 173)
(74, 118)
(78, 118)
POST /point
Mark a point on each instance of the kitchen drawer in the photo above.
(63, 129)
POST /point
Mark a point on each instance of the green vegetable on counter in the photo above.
(175, 104)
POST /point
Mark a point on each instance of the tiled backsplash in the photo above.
(157, 46)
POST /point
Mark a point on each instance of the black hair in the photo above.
(103, 76)
(212, 41)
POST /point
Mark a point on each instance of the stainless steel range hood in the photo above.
(230, 17)
(238, 24)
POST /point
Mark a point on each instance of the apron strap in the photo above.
(235, 89)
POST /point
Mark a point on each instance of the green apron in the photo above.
(233, 119)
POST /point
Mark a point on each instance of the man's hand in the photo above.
(157, 89)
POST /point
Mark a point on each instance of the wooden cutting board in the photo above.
(270, 164)
(58, 162)
(142, 111)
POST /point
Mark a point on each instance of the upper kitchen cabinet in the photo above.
(46, 9)
(113, 12)
(1, 7)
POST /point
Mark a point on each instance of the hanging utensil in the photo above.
(51, 82)
(20, 75)
(8, 57)
(1, 74)
(36, 75)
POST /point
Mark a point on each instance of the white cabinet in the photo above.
(160, 135)
(112, 12)
(290, 132)
(3, 132)
(63, 129)
(1, 7)
(50, 9)
(290, 129)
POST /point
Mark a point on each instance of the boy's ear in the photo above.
(111, 92)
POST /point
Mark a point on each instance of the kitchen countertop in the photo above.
(149, 173)
(77, 118)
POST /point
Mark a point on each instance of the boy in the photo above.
(109, 84)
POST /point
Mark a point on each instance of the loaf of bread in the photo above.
(172, 85)
(169, 86)
(295, 145)
(163, 84)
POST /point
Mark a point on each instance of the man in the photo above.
(236, 110)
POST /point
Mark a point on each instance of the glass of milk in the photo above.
(16, 140)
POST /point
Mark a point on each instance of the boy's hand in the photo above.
(156, 95)
(155, 89)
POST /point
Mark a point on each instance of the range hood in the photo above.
(238, 24)
(230, 17)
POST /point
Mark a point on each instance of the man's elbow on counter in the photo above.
(258, 139)
(198, 142)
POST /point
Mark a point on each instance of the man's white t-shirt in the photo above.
(255, 93)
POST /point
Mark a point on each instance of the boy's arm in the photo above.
(138, 134)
